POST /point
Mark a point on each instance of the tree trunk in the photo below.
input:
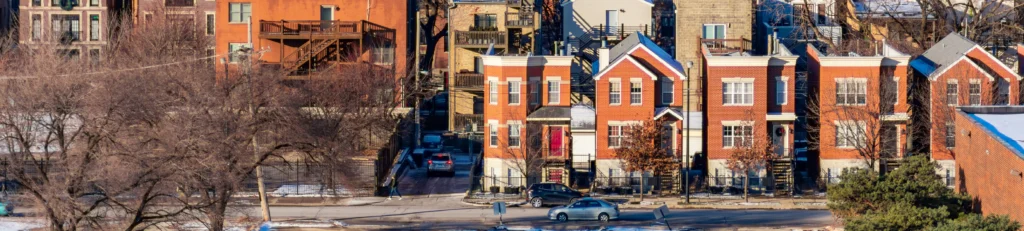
(746, 187)
(642, 185)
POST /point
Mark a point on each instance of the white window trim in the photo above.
(493, 85)
(535, 95)
(736, 123)
(557, 89)
(618, 81)
(243, 19)
(724, 26)
(42, 27)
(207, 14)
(639, 82)
(519, 127)
(99, 37)
(945, 92)
(855, 80)
(753, 91)
(493, 128)
(785, 90)
(970, 95)
(517, 81)
(671, 90)
(840, 123)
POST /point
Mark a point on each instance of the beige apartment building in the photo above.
(723, 25)
(506, 27)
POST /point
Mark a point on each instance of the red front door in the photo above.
(556, 142)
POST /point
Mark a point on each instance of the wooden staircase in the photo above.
(782, 174)
(669, 181)
(308, 52)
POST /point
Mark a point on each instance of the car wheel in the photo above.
(603, 218)
(537, 202)
(562, 217)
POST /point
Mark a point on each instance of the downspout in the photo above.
(369, 4)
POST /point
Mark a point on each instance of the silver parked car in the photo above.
(441, 163)
(586, 209)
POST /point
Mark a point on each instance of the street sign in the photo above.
(660, 212)
(499, 208)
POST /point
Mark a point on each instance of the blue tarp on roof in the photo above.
(923, 65)
(995, 131)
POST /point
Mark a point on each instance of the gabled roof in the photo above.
(949, 51)
(637, 41)
(696, 117)
(649, 2)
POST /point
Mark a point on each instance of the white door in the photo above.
(779, 136)
(611, 21)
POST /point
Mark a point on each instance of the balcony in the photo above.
(618, 32)
(310, 29)
(469, 122)
(469, 81)
(481, 39)
(519, 19)
(726, 46)
(179, 3)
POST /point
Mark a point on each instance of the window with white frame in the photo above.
(384, 54)
(635, 92)
(713, 31)
(850, 134)
(615, 135)
(210, 24)
(554, 92)
(951, 93)
(950, 135)
(851, 91)
(534, 89)
(667, 92)
(513, 92)
(737, 135)
(233, 48)
(37, 27)
(615, 92)
(493, 135)
(974, 88)
(492, 92)
(513, 135)
(239, 12)
(94, 2)
(66, 27)
(738, 93)
(780, 91)
(94, 27)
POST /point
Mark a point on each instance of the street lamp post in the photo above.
(687, 126)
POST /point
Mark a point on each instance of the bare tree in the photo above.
(643, 151)
(754, 151)
(522, 150)
(433, 22)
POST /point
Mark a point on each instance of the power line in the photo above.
(261, 51)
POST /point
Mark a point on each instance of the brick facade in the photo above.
(988, 169)
(692, 15)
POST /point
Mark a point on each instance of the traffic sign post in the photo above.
(661, 213)
(499, 209)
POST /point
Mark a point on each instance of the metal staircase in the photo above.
(782, 175)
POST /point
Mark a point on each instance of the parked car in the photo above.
(541, 194)
(441, 163)
(432, 143)
(586, 209)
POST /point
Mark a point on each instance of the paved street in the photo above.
(415, 217)
(416, 183)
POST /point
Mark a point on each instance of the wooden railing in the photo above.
(726, 46)
(309, 27)
(469, 80)
(469, 122)
(620, 30)
(480, 38)
(519, 19)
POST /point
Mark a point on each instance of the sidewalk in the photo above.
(700, 201)
(313, 201)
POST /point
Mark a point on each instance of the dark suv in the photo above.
(541, 194)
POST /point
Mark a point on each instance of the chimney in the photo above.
(602, 57)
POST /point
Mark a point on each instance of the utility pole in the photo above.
(416, 81)
(247, 65)
(686, 186)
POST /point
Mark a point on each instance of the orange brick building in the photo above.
(990, 160)
(526, 113)
(862, 106)
(960, 72)
(636, 81)
(747, 95)
(304, 36)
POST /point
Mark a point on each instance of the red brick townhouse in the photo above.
(990, 164)
(862, 105)
(745, 95)
(959, 72)
(526, 119)
(637, 81)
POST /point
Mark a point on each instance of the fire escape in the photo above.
(309, 46)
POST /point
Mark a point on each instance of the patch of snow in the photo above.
(308, 191)
(19, 225)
